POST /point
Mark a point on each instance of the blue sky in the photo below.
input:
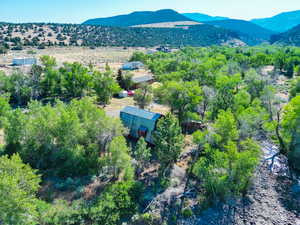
(77, 11)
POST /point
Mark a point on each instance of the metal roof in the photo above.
(141, 113)
(142, 79)
(134, 64)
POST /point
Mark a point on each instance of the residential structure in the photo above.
(141, 123)
(138, 80)
(24, 61)
(133, 65)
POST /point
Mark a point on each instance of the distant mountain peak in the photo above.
(201, 17)
(281, 22)
(138, 18)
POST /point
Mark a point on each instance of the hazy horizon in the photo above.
(77, 11)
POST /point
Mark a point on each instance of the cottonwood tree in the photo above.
(4, 109)
(105, 87)
(64, 139)
(182, 97)
(142, 153)
(227, 173)
(143, 96)
(19, 184)
(119, 160)
(291, 130)
(168, 140)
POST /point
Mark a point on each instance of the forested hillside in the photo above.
(138, 18)
(64, 161)
(281, 22)
(291, 37)
(249, 32)
(16, 36)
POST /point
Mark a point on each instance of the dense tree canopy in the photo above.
(19, 184)
(64, 139)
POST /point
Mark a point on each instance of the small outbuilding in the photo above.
(24, 61)
(141, 123)
(136, 65)
(138, 80)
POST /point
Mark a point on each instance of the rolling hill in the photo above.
(291, 37)
(43, 35)
(200, 17)
(281, 22)
(248, 32)
(138, 18)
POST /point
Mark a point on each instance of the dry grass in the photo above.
(114, 56)
(117, 104)
(178, 24)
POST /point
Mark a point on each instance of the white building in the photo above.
(24, 61)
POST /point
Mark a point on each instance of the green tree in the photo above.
(227, 86)
(168, 140)
(4, 109)
(255, 83)
(118, 159)
(48, 61)
(227, 173)
(291, 130)
(295, 89)
(118, 202)
(182, 97)
(64, 140)
(143, 96)
(142, 153)
(18, 187)
(225, 129)
(127, 82)
(105, 87)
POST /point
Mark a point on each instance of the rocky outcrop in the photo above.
(273, 199)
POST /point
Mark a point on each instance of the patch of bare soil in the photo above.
(178, 24)
(117, 104)
(1, 137)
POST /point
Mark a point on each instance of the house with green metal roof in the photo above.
(141, 123)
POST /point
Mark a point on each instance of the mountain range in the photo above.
(251, 32)
(291, 37)
(281, 22)
(138, 18)
(200, 17)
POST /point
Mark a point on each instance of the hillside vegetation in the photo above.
(291, 37)
(281, 22)
(137, 18)
(15, 36)
(248, 32)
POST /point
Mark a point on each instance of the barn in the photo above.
(24, 61)
(133, 65)
(141, 123)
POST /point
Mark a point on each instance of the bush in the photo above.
(187, 213)
(17, 48)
